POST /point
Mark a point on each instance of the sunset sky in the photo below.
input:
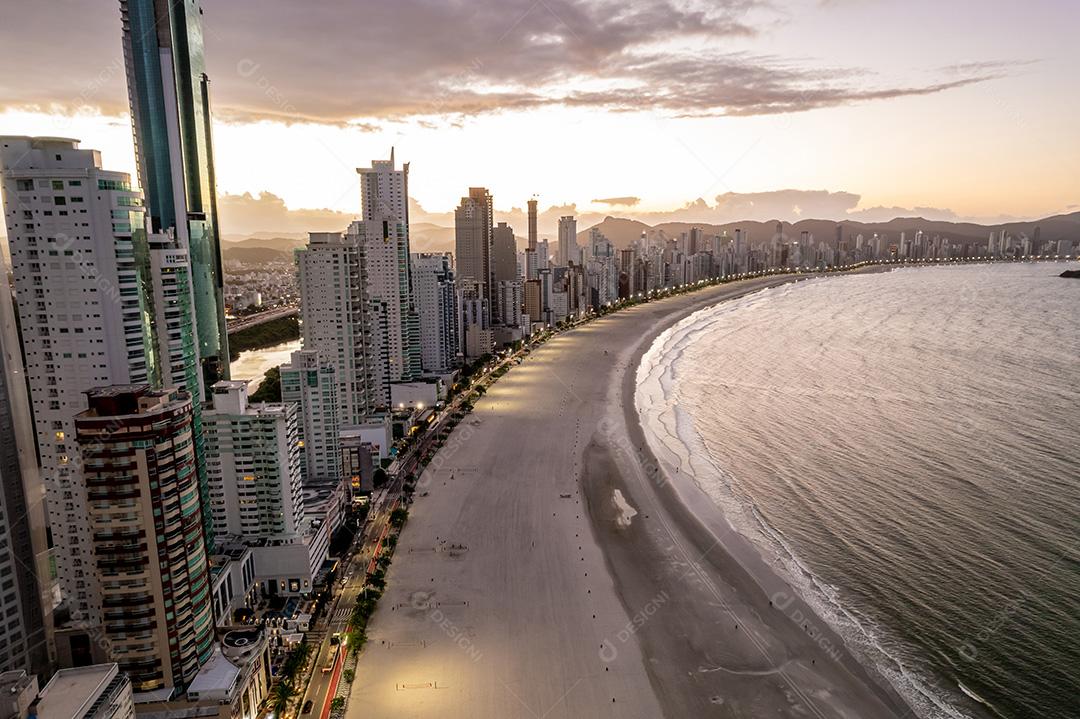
(967, 108)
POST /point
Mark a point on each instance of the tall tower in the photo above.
(336, 315)
(170, 114)
(384, 207)
(568, 246)
(473, 236)
(79, 329)
(146, 535)
(26, 634)
(436, 300)
(532, 224)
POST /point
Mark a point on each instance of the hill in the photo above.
(623, 232)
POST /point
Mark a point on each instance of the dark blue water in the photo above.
(906, 447)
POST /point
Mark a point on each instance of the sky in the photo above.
(718, 110)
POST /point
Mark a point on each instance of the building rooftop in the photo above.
(218, 675)
(71, 692)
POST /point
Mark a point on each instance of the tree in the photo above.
(281, 696)
(398, 517)
(270, 388)
(381, 477)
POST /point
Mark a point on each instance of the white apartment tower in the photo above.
(384, 207)
(73, 230)
(436, 303)
(337, 322)
(311, 382)
(568, 246)
(388, 289)
(253, 457)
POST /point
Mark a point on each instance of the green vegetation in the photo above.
(270, 388)
(398, 517)
(281, 696)
(380, 477)
(337, 704)
(268, 334)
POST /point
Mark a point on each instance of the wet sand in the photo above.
(549, 571)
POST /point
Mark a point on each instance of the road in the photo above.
(243, 323)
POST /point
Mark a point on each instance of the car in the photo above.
(307, 707)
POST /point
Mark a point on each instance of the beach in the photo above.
(551, 567)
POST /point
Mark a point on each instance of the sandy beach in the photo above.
(552, 569)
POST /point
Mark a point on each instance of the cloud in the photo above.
(247, 215)
(628, 201)
(360, 62)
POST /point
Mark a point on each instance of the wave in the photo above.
(671, 433)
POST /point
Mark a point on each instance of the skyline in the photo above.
(941, 115)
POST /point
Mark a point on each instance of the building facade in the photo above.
(311, 383)
(25, 607)
(473, 228)
(337, 322)
(74, 235)
(436, 303)
(169, 95)
(152, 580)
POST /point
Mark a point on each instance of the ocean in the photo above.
(905, 448)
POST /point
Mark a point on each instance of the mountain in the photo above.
(623, 232)
(284, 242)
(255, 255)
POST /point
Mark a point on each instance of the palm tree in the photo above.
(281, 696)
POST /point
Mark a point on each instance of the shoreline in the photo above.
(516, 601)
(723, 605)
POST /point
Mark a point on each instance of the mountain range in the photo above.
(431, 237)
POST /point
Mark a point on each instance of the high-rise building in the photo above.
(253, 451)
(473, 228)
(533, 299)
(390, 294)
(503, 264)
(384, 206)
(436, 302)
(568, 246)
(169, 96)
(504, 253)
(254, 456)
(152, 582)
(76, 241)
(25, 608)
(337, 322)
(477, 337)
(532, 224)
(311, 382)
(510, 303)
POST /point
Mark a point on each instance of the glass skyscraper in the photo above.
(170, 110)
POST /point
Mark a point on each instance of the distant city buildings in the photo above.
(568, 246)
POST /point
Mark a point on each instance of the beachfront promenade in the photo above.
(502, 603)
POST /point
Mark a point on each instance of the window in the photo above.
(58, 184)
